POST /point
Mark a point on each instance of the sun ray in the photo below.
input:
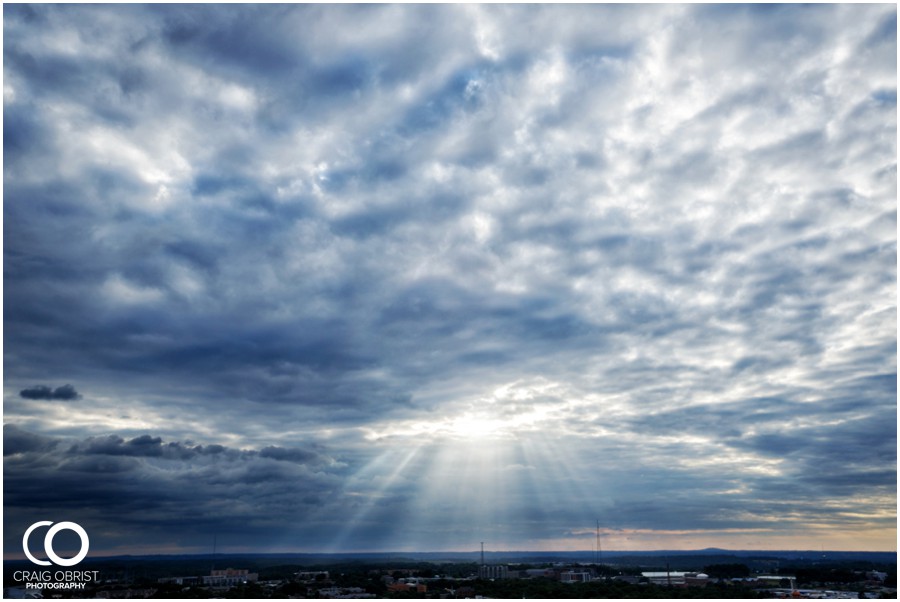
(359, 487)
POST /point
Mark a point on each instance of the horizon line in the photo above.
(477, 552)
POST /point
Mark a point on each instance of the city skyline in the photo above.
(328, 278)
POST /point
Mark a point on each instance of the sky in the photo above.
(331, 278)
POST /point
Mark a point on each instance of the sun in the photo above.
(515, 411)
(476, 427)
(471, 426)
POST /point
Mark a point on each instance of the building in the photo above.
(229, 577)
(549, 573)
(664, 577)
(696, 579)
(677, 578)
(497, 571)
(118, 594)
(777, 580)
(312, 575)
(403, 586)
(350, 593)
(216, 578)
(574, 577)
(192, 580)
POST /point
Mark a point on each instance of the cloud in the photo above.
(153, 447)
(298, 456)
(64, 393)
(317, 238)
(17, 441)
(144, 480)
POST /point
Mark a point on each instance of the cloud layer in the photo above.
(628, 263)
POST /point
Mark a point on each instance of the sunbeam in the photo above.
(360, 488)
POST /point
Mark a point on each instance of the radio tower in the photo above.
(482, 553)
(599, 550)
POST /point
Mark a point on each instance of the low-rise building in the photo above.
(349, 593)
(664, 577)
(127, 593)
(402, 586)
(487, 571)
(217, 578)
(776, 580)
(312, 575)
(677, 578)
(188, 580)
(574, 577)
(229, 577)
(540, 573)
(696, 579)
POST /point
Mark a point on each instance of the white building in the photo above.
(574, 577)
(677, 578)
(229, 577)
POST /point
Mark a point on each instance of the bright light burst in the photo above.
(478, 428)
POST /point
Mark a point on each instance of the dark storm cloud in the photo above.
(240, 227)
(154, 447)
(146, 483)
(17, 441)
(288, 455)
(64, 393)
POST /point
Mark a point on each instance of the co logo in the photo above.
(48, 543)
